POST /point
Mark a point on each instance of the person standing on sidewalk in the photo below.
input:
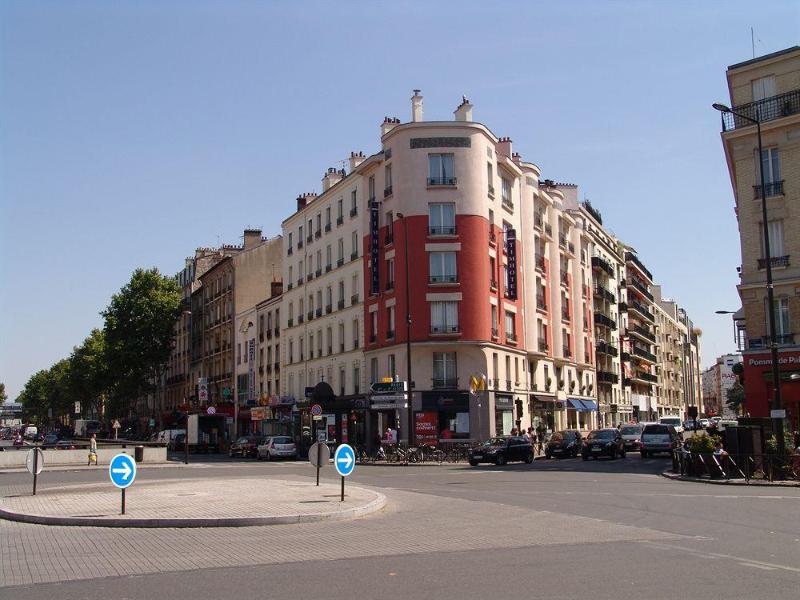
(92, 450)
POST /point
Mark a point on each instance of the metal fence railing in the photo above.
(766, 467)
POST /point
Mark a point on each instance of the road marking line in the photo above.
(741, 560)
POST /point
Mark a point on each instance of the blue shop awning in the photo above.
(575, 403)
(590, 404)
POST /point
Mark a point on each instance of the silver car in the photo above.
(277, 446)
(631, 436)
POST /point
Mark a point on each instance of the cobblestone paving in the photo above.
(411, 523)
(191, 499)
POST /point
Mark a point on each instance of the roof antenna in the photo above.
(753, 42)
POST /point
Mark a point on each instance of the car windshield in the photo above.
(656, 429)
(671, 421)
(495, 442)
(557, 437)
(242, 440)
(603, 434)
(631, 430)
(283, 440)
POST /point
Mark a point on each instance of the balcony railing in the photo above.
(643, 331)
(444, 329)
(439, 383)
(290, 323)
(309, 238)
(649, 377)
(507, 203)
(633, 305)
(642, 289)
(318, 312)
(442, 181)
(353, 255)
(443, 279)
(310, 315)
(511, 337)
(277, 332)
(605, 294)
(538, 221)
(607, 377)
(631, 257)
(606, 348)
(299, 244)
(493, 284)
(768, 109)
(290, 251)
(491, 191)
(389, 237)
(442, 230)
(390, 334)
(300, 319)
(354, 299)
(775, 261)
(327, 227)
(642, 353)
(373, 338)
(567, 353)
(318, 234)
(601, 319)
(339, 262)
(564, 278)
(328, 267)
(604, 265)
(495, 332)
(387, 191)
(389, 285)
(540, 263)
(783, 339)
(565, 316)
(318, 273)
(543, 346)
(354, 211)
(492, 237)
(339, 221)
(541, 303)
(548, 229)
(340, 304)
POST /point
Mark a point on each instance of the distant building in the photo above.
(717, 380)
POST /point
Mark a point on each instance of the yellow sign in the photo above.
(477, 383)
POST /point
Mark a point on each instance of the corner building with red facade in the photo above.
(498, 281)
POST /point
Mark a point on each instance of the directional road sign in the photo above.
(38, 460)
(388, 387)
(122, 470)
(316, 410)
(319, 454)
(344, 460)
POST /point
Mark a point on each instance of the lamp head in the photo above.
(720, 107)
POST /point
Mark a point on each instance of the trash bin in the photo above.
(138, 454)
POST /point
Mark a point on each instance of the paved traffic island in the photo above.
(233, 502)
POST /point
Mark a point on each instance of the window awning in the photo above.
(575, 403)
(590, 404)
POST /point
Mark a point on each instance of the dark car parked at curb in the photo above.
(51, 439)
(659, 438)
(500, 450)
(603, 442)
(564, 443)
(246, 446)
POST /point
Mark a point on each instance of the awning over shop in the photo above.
(589, 404)
(575, 403)
(582, 405)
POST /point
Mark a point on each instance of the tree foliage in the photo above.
(139, 334)
(3, 395)
(735, 398)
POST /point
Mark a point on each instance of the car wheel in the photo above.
(529, 458)
(613, 454)
(623, 453)
(268, 457)
(500, 460)
(585, 456)
(230, 454)
(548, 456)
(473, 463)
(643, 453)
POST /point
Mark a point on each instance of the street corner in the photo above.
(745, 482)
(238, 502)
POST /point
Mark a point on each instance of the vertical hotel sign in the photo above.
(373, 248)
(251, 375)
(511, 253)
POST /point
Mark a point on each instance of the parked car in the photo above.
(246, 446)
(703, 423)
(65, 445)
(278, 446)
(564, 443)
(723, 424)
(603, 442)
(674, 421)
(659, 438)
(631, 436)
(500, 450)
(51, 439)
(177, 442)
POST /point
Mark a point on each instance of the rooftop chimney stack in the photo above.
(504, 147)
(356, 158)
(304, 199)
(464, 110)
(416, 107)
(331, 178)
(252, 238)
(388, 124)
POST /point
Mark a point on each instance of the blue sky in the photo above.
(133, 132)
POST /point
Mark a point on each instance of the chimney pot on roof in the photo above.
(388, 124)
(416, 107)
(355, 160)
(464, 110)
(504, 147)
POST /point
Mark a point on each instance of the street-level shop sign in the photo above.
(122, 470)
(344, 460)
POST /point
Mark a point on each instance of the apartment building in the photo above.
(607, 256)
(232, 286)
(322, 307)
(767, 88)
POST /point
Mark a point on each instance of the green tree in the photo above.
(89, 380)
(3, 395)
(139, 334)
(46, 394)
(735, 398)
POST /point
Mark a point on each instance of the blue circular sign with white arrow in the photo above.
(122, 470)
(344, 460)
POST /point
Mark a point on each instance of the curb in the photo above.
(740, 482)
(344, 515)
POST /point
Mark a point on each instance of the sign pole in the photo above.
(35, 468)
(342, 500)
(123, 501)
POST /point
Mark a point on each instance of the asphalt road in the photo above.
(553, 529)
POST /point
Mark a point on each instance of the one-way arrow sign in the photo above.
(122, 470)
(344, 460)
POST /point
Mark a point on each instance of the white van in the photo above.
(31, 431)
(676, 422)
(166, 436)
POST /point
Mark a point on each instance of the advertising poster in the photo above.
(427, 427)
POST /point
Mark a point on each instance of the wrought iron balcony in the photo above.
(290, 251)
(327, 227)
(768, 109)
(340, 262)
(328, 267)
(389, 285)
(495, 332)
(641, 288)
(642, 353)
(309, 238)
(491, 191)
(785, 339)
(387, 191)
(451, 181)
(775, 261)
(290, 322)
(639, 308)
(354, 211)
(603, 265)
(439, 383)
(605, 294)
(601, 319)
(543, 346)
(538, 221)
(390, 334)
(340, 304)
(354, 255)
(389, 237)
(443, 279)
(442, 230)
(318, 234)
(631, 257)
(548, 229)
(607, 377)
(540, 263)
(318, 273)
(606, 348)
(511, 337)
(339, 221)
(354, 299)
(310, 315)
(643, 332)
(318, 312)
(444, 329)
(541, 303)
(493, 284)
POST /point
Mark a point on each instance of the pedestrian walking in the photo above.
(92, 450)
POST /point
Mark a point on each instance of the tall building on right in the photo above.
(767, 89)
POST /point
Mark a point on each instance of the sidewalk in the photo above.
(751, 482)
(193, 503)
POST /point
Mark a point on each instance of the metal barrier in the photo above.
(765, 467)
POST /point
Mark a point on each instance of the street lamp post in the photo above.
(776, 381)
(409, 394)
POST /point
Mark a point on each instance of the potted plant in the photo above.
(701, 448)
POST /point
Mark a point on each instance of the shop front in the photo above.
(759, 390)
(503, 414)
(452, 409)
(579, 413)
(545, 414)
